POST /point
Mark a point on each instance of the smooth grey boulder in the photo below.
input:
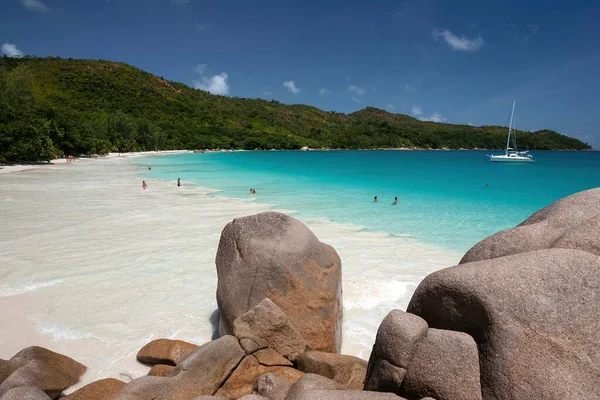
(271, 255)
(445, 366)
(267, 325)
(396, 342)
(25, 393)
(272, 386)
(200, 373)
(533, 315)
(572, 222)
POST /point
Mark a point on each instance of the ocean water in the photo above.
(94, 267)
(449, 199)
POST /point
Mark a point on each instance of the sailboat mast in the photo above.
(510, 127)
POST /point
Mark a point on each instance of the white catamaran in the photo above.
(512, 155)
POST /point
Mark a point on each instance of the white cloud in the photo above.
(390, 107)
(216, 84)
(356, 99)
(291, 86)
(357, 90)
(416, 110)
(324, 91)
(470, 124)
(460, 43)
(11, 50)
(34, 5)
(408, 87)
(437, 117)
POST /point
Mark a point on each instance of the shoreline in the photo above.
(145, 267)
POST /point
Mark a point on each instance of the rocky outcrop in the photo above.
(267, 325)
(202, 372)
(572, 222)
(165, 351)
(344, 395)
(104, 389)
(533, 315)
(271, 255)
(40, 368)
(347, 370)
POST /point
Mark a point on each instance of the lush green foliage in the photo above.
(50, 107)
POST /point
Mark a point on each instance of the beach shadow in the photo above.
(214, 322)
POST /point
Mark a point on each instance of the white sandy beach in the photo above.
(95, 267)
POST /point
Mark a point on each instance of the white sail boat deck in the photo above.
(511, 154)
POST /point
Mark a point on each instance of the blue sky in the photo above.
(455, 61)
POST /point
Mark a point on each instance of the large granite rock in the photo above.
(533, 315)
(347, 370)
(161, 370)
(271, 255)
(396, 343)
(104, 389)
(309, 382)
(572, 222)
(267, 325)
(202, 372)
(165, 351)
(40, 368)
(445, 367)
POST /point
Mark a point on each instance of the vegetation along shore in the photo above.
(51, 106)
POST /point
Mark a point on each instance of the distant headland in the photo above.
(50, 107)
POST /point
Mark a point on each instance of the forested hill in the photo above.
(52, 106)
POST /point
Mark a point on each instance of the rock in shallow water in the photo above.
(41, 368)
(165, 351)
(271, 255)
(104, 389)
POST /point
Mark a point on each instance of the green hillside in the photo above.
(52, 106)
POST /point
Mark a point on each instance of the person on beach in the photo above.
(178, 181)
(375, 199)
(395, 200)
(144, 186)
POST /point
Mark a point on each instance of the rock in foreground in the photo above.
(271, 255)
(534, 316)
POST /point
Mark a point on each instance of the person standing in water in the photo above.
(395, 200)
(178, 181)
(144, 186)
(375, 199)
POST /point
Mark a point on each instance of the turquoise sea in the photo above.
(451, 199)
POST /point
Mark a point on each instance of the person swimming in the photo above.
(395, 200)
(375, 199)
(253, 191)
(149, 167)
(144, 186)
(178, 181)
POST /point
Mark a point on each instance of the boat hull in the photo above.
(505, 159)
